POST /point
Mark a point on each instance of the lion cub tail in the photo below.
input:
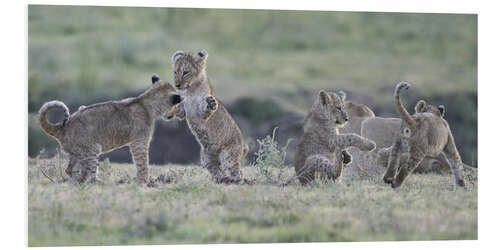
(50, 128)
(405, 116)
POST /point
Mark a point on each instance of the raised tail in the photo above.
(48, 127)
(405, 116)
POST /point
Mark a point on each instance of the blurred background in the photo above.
(266, 66)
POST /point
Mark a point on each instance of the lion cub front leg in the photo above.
(140, 155)
(353, 140)
(342, 159)
(209, 107)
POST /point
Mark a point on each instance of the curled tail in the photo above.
(405, 116)
(49, 128)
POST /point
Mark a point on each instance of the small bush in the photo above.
(270, 161)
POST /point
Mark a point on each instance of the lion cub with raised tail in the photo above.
(221, 141)
(103, 127)
(423, 134)
(322, 148)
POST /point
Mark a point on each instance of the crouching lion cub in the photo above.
(221, 141)
(322, 148)
(103, 127)
(421, 134)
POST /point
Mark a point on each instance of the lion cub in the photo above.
(103, 127)
(221, 141)
(421, 134)
(322, 148)
(383, 130)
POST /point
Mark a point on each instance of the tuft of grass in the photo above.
(270, 159)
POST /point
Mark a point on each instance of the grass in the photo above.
(82, 55)
(192, 209)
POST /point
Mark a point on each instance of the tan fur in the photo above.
(357, 113)
(103, 127)
(421, 134)
(221, 141)
(321, 148)
(383, 130)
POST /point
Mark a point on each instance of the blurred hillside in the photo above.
(257, 59)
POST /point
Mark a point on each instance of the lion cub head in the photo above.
(188, 68)
(329, 108)
(163, 96)
(422, 107)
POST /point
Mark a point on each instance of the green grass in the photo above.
(192, 209)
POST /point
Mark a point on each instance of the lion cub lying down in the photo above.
(423, 134)
(322, 148)
(103, 127)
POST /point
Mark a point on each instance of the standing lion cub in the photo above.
(221, 141)
(421, 134)
(103, 127)
(322, 148)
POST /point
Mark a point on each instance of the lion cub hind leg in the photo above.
(407, 167)
(383, 157)
(320, 163)
(70, 170)
(88, 163)
(394, 159)
(89, 169)
(140, 155)
(230, 161)
(451, 153)
(212, 164)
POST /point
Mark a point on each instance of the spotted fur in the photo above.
(103, 127)
(322, 149)
(221, 141)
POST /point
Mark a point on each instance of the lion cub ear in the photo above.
(441, 110)
(420, 106)
(201, 56)
(177, 55)
(324, 98)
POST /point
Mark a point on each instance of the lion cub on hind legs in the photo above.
(322, 149)
(103, 127)
(421, 134)
(221, 141)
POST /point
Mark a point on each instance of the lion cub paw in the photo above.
(369, 146)
(346, 158)
(211, 103)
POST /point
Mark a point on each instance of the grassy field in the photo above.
(189, 208)
(82, 55)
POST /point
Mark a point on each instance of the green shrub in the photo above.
(270, 161)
